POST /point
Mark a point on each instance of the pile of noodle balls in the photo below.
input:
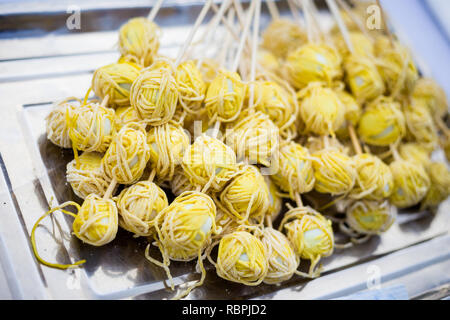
(250, 201)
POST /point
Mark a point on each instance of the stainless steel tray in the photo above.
(33, 169)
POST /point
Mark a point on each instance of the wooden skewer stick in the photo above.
(216, 130)
(314, 14)
(239, 13)
(354, 18)
(207, 33)
(215, 21)
(243, 36)
(110, 189)
(225, 21)
(105, 101)
(394, 151)
(223, 61)
(113, 183)
(273, 10)
(224, 52)
(343, 28)
(241, 19)
(254, 52)
(191, 35)
(298, 200)
(307, 17)
(293, 10)
(212, 27)
(152, 14)
(354, 138)
(152, 175)
(340, 22)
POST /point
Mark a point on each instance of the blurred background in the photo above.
(423, 24)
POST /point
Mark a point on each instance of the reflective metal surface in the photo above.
(33, 172)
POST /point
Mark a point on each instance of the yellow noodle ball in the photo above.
(125, 115)
(139, 40)
(420, 124)
(275, 201)
(191, 86)
(382, 123)
(363, 78)
(138, 207)
(396, 66)
(96, 222)
(56, 123)
(154, 95)
(225, 97)
(86, 175)
(209, 163)
(321, 110)
(186, 225)
(254, 137)
(295, 173)
(411, 183)
(282, 260)
(91, 127)
(127, 156)
(362, 45)
(168, 144)
(282, 36)
(275, 101)
(313, 62)
(310, 234)
(115, 80)
(268, 61)
(334, 171)
(242, 258)
(440, 184)
(209, 69)
(246, 195)
(370, 217)
(415, 152)
(434, 97)
(374, 180)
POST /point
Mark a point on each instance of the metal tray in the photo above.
(33, 169)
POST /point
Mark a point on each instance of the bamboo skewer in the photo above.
(152, 14)
(345, 33)
(243, 36)
(254, 52)
(354, 18)
(273, 10)
(191, 35)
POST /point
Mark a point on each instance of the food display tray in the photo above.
(37, 71)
